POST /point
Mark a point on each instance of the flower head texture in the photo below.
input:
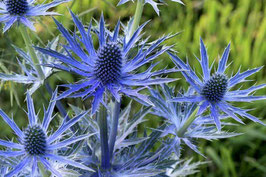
(152, 3)
(22, 11)
(35, 145)
(214, 90)
(30, 75)
(110, 67)
(176, 115)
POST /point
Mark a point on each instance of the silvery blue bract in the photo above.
(22, 11)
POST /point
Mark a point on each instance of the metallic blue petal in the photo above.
(68, 162)
(11, 153)
(244, 113)
(227, 110)
(76, 87)
(204, 61)
(240, 77)
(116, 32)
(223, 61)
(133, 39)
(188, 99)
(10, 144)
(215, 116)
(75, 47)
(86, 38)
(48, 114)
(64, 127)
(19, 167)
(12, 124)
(9, 23)
(102, 39)
(98, 98)
(244, 98)
(245, 92)
(68, 141)
(31, 111)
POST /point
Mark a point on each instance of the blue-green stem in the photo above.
(114, 127)
(101, 117)
(137, 16)
(30, 49)
(189, 121)
(35, 60)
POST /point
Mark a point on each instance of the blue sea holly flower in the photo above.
(22, 11)
(110, 67)
(176, 115)
(152, 3)
(214, 91)
(35, 145)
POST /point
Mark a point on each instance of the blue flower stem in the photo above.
(114, 127)
(29, 47)
(101, 117)
(137, 16)
(189, 121)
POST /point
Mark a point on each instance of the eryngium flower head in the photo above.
(35, 145)
(176, 115)
(110, 67)
(22, 11)
(215, 91)
(152, 3)
(30, 74)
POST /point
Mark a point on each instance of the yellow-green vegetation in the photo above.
(218, 22)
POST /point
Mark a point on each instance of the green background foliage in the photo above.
(218, 22)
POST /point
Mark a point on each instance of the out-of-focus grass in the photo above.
(218, 22)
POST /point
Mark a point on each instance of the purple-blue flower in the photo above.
(22, 11)
(214, 90)
(176, 115)
(111, 67)
(35, 145)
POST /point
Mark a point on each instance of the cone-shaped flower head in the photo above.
(35, 145)
(110, 67)
(22, 11)
(177, 114)
(152, 3)
(215, 91)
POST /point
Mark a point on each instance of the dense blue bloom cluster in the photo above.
(109, 68)
(214, 91)
(35, 145)
(107, 142)
(22, 11)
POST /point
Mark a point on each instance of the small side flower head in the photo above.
(176, 115)
(110, 68)
(36, 145)
(214, 90)
(22, 11)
